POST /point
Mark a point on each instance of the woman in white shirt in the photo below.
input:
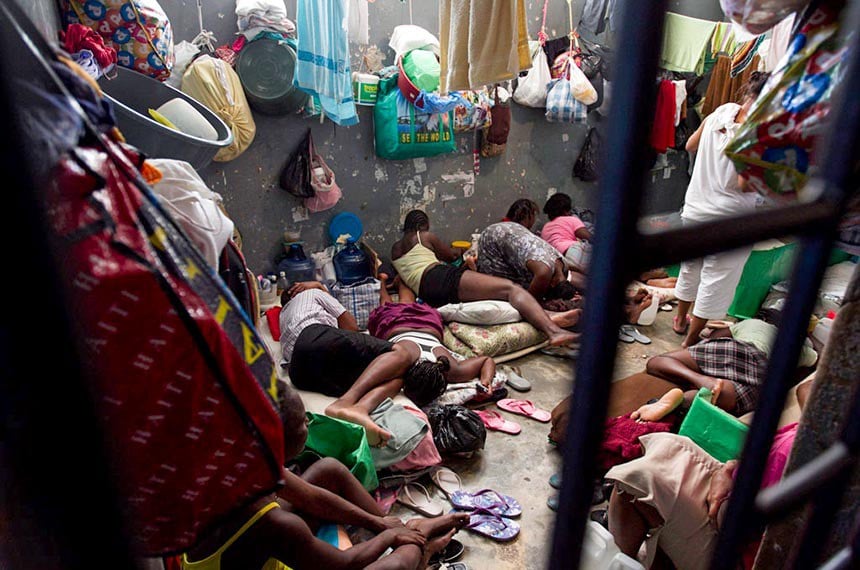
(715, 192)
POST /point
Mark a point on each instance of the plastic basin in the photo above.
(266, 68)
(133, 94)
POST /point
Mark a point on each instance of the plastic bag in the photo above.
(346, 442)
(184, 53)
(758, 16)
(532, 89)
(580, 86)
(586, 166)
(327, 193)
(456, 429)
(296, 176)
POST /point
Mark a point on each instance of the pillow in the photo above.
(497, 339)
(456, 345)
(480, 313)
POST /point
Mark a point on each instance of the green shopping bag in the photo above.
(401, 131)
(344, 441)
(713, 429)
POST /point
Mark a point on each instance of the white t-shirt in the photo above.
(714, 191)
(311, 307)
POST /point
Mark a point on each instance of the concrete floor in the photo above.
(521, 465)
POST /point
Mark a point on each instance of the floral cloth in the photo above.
(506, 247)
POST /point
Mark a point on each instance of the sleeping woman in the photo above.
(421, 260)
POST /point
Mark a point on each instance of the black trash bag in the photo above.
(456, 429)
(296, 175)
(587, 165)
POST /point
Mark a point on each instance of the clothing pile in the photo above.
(88, 50)
(256, 17)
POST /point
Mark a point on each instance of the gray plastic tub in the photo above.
(133, 94)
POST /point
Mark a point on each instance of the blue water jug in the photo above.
(297, 266)
(351, 264)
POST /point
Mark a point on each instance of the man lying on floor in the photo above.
(737, 355)
(276, 532)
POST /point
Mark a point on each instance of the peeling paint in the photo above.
(466, 178)
(420, 165)
(380, 174)
(550, 191)
(565, 137)
(355, 173)
(448, 197)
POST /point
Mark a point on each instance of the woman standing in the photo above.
(715, 192)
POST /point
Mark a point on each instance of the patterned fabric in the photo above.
(561, 107)
(497, 339)
(312, 307)
(740, 363)
(506, 247)
(456, 345)
(359, 299)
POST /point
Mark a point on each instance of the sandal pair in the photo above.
(492, 525)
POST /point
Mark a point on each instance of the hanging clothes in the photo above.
(594, 14)
(680, 101)
(322, 68)
(482, 42)
(359, 29)
(743, 56)
(724, 88)
(684, 40)
(780, 36)
(663, 131)
(723, 42)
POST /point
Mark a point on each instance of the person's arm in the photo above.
(300, 286)
(693, 142)
(481, 367)
(671, 367)
(583, 233)
(324, 505)
(293, 543)
(347, 322)
(541, 278)
(720, 489)
(443, 251)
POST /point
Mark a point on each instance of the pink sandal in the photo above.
(524, 408)
(495, 422)
(675, 325)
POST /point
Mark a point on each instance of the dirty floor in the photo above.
(521, 465)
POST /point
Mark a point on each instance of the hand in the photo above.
(391, 523)
(470, 262)
(304, 286)
(404, 536)
(721, 487)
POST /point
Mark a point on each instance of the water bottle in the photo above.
(296, 265)
(283, 285)
(351, 265)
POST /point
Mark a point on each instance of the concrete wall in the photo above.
(539, 157)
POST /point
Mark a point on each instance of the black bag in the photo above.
(296, 175)
(586, 166)
(456, 429)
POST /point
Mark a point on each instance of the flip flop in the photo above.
(524, 408)
(447, 566)
(494, 421)
(571, 353)
(491, 525)
(515, 380)
(450, 553)
(416, 497)
(624, 337)
(634, 333)
(649, 315)
(555, 481)
(447, 481)
(552, 502)
(487, 499)
(666, 307)
(675, 325)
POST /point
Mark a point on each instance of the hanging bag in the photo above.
(494, 139)
(586, 166)
(532, 89)
(296, 176)
(561, 105)
(326, 191)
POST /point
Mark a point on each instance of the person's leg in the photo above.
(633, 311)
(685, 291)
(333, 475)
(384, 297)
(680, 367)
(577, 279)
(358, 412)
(630, 521)
(565, 319)
(720, 276)
(476, 286)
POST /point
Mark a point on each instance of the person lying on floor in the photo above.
(567, 233)
(673, 498)
(422, 263)
(737, 354)
(278, 531)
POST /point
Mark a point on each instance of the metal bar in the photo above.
(837, 169)
(54, 467)
(848, 556)
(621, 192)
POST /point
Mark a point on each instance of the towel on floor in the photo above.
(684, 40)
(322, 68)
(406, 431)
(482, 42)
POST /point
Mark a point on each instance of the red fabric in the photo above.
(178, 373)
(78, 37)
(621, 439)
(273, 317)
(663, 131)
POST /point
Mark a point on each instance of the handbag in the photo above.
(561, 105)
(326, 191)
(586, 166)
(532, 89)
(296, 175)
(494, 139)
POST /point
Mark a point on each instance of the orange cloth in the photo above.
(723, 88)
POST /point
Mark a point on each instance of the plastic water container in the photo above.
(599, 551)
(351, 264)
(297, 266)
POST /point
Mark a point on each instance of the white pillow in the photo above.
(480, 313)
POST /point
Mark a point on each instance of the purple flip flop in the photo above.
(491, 525)
(488, 500)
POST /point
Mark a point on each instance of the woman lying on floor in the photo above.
(737, 354)
(673, 498)
(421, 260)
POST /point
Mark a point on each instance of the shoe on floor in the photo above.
(624, 337)
(634, 333)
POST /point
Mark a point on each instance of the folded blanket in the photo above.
(495, 340)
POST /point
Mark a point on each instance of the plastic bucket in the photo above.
(133, 94)
(266, 68)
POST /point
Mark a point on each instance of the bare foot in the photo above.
(566, 319)
(653, 274)
(376, 436)
(439, 525)
(716, 391)
(661, 408)
(667, 282)
(635, 311)
(563, 338)
(434, 546)
(383, 277)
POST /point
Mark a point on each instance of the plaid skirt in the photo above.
(739, 362)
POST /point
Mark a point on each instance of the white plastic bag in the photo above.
(580, 87)
(531, 89)
(758, 16)
(184, 52)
